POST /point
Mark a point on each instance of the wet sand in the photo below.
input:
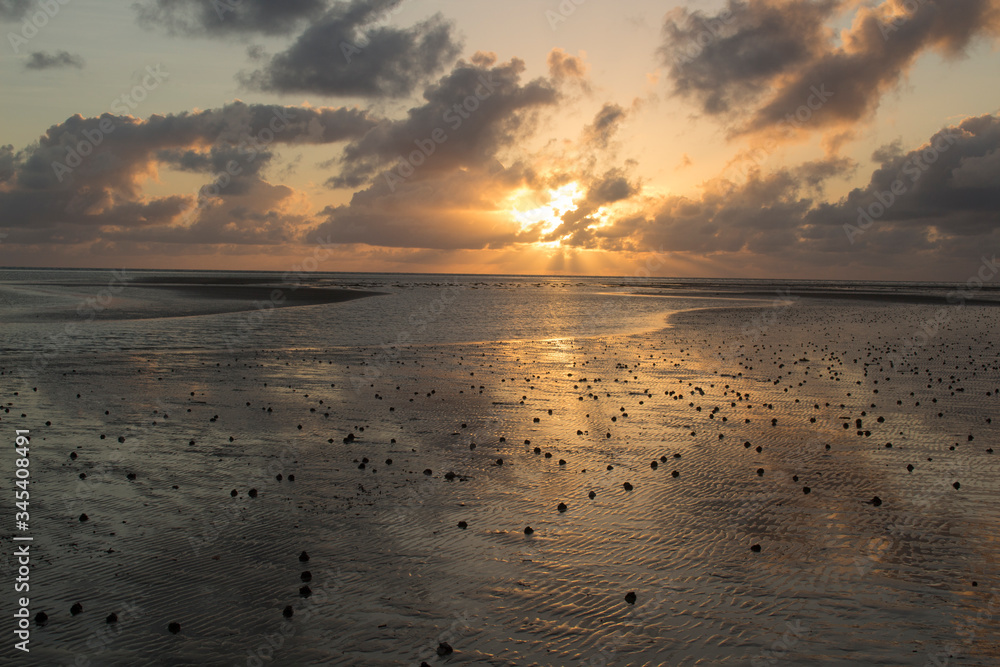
(149, 299)
(777, 522)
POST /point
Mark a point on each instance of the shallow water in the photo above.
(836, 580)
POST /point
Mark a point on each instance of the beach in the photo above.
(777, 475)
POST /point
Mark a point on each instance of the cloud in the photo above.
(480, 108)
(936, 203)
(446, 186)
(939, 195)
(435, 178)
(563, 66)
(7, 158)
(84, 179)
(727, 60)
(43, 60)
(211, 17)
(347, 52)
(14, 10)
(758, 63)
(605, 124)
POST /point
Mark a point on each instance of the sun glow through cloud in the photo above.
(544, 219)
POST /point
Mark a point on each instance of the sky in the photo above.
(811, 139)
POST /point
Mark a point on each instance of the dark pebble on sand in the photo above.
(75, 609)
(112, 618)
(876, 501)
(444, 648)
(41, 618)
(174, 628)
(130, 476)
(291, 478)
(303, 557)
(463, 525)
(428, 472)
(234, 493)
(755, 548)
(305, 591)
(957, 486)
(806, 490)
(84, 517)
(562, 507)
(528, 530)
(253, 493)
(591, 495)
(630, 597)
(627, 486)
(306, 576)
(288, 612)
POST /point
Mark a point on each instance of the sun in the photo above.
(546, 218)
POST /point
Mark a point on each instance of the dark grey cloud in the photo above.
(760, 62)
(937, 204)
(480, 108)
(728, 59)
(84, 177)
(7, 158)
(230, 17)
(14, 10)
(447, 183)
(945, 190)
(43, 60)
(347, 52)
(434, 176)
(605, 124)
